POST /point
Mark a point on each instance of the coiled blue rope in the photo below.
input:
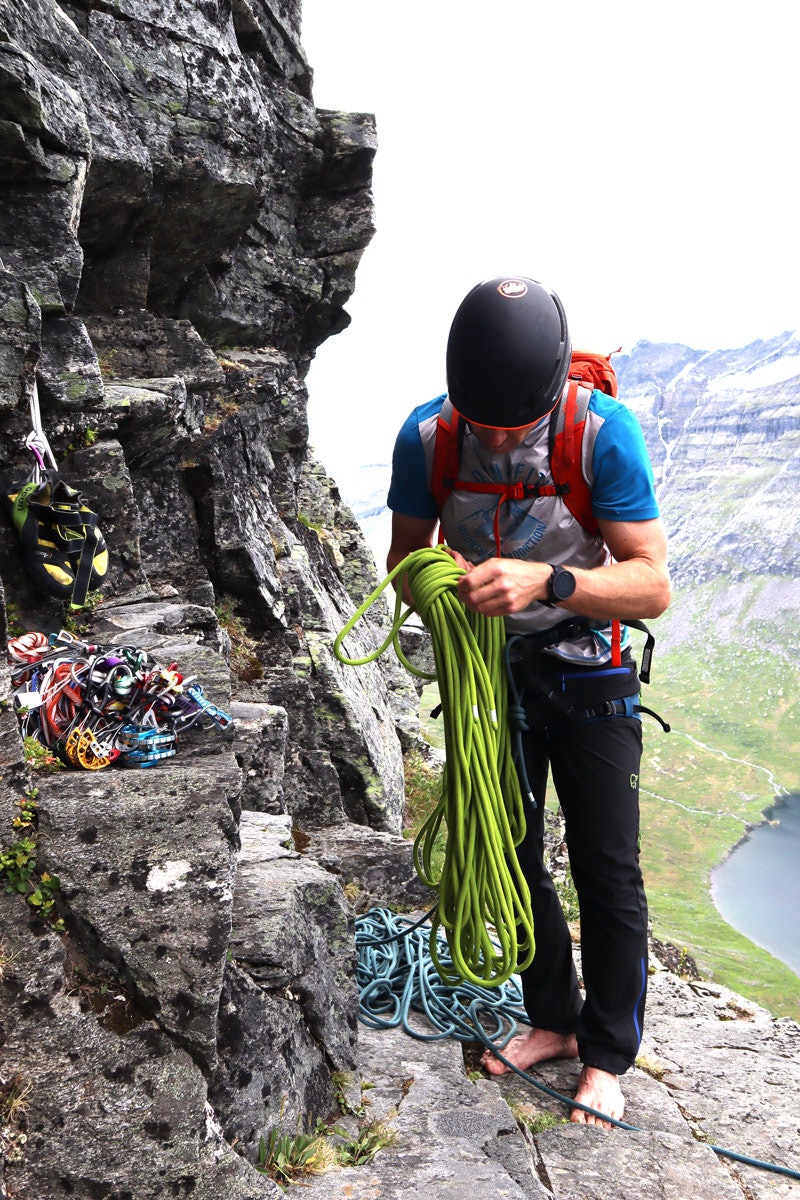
(397, 977)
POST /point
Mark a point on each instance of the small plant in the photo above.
(14, 624)
(284, 1156)
(342, 1082)
(76, 620)
(565, 889)
(226, 408)
(13, 1099)
(14, 1094)
(245, 663)
(360, 1149)
(314, 526)
(106, 364)
(39, 757)
(19, 865)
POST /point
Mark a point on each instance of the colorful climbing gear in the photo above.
(98, 705)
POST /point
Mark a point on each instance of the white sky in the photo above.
(638, 157)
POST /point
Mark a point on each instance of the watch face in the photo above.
(563, 584)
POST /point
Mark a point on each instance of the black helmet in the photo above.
(508, 353)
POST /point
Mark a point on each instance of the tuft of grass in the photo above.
(245, 663)
(360, 1149)
(655, 1067)
(535, 1122)
(285, 1157)
(14, 1093)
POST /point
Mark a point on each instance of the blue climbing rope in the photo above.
(397, 978)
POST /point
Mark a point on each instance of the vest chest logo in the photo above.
(521, 530)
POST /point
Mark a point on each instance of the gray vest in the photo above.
(534, 528)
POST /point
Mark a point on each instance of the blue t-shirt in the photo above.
(622, 489)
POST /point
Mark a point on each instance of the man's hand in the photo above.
(500, 586)
(635, 584)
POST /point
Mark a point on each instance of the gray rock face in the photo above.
(179, 230)
(149, 885)
(289, 988)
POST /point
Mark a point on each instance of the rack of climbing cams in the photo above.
(94, 706)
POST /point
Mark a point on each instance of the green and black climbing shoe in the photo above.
(64, 551)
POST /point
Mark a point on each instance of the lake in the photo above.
(757, 888)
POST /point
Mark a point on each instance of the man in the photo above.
(568, 590)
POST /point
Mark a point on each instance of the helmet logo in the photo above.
(512, 289)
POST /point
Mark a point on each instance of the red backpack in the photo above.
(567, 422)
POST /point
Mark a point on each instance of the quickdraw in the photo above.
(94, 706)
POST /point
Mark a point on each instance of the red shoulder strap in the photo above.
(566, 442)
(446, 454)
(566, 453)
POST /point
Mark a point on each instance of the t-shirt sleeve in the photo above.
(623, 489)
(409, 494)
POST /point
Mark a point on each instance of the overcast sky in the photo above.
(638, 157)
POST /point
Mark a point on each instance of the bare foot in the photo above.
(600, 1090)
(528, 1048)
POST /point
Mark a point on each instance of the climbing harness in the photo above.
(396, 979)
(64, 551)
(98, 705)
(481, 883)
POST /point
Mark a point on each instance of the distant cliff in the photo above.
(723, 430)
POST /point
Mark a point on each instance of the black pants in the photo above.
(595, 766)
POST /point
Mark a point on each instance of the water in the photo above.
(757, 889)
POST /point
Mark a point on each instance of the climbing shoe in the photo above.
(64, 551)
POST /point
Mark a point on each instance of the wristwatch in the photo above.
(560, 586)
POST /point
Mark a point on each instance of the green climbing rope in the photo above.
(481, 886)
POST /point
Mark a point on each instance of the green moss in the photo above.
(75, 385)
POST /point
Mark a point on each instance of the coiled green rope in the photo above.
(481, 885)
